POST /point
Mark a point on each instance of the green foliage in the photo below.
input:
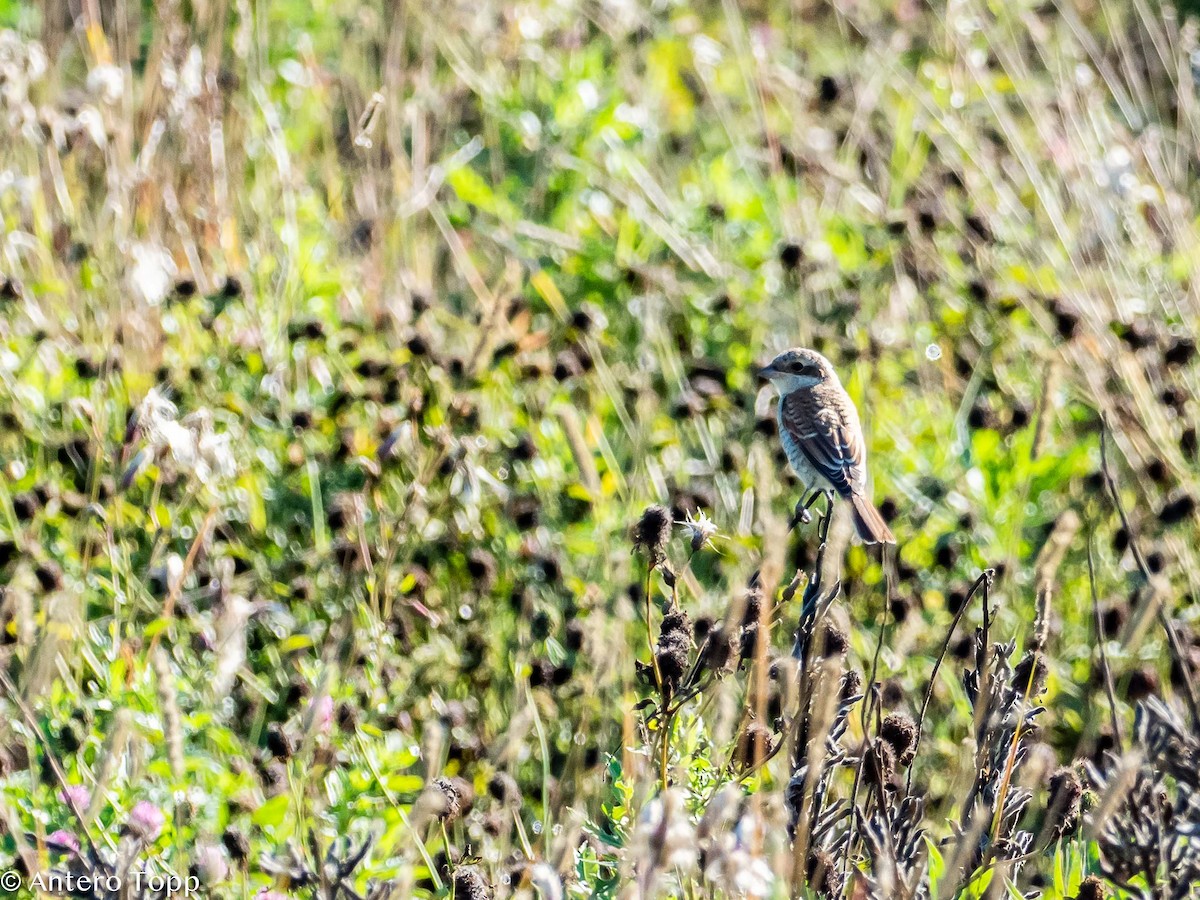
(440, 299)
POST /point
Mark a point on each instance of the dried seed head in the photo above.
(469, 884)
(852, 683)
(1113, 618)
(749, 641)
(1143, 683)
(1091, 888)
(1062, 811)
(751, 613)
(823, 875)
(1029, 677)
(279, 744)
(504, 789)
(753, 744)
(879, 767)
(672, 656)
(652, 532)
(236, 845)
(481, 565)
(833, 641)
(900, 731)
(541, 672)
(716, 650)
(677, 622)
(452, 803)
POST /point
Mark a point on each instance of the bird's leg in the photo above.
(823, 525)
(801, 515)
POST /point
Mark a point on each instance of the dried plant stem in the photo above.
(1100, 641)
(658, 682)
(1011, 761)
(984, 579)
(188, 563)
(1134, 547)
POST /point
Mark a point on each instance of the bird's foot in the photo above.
(801, 515)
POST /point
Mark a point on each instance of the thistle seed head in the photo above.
(900, 731)
(652, 532)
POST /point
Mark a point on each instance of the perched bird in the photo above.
(822, 437)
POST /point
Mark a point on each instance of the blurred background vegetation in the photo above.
(438, 297)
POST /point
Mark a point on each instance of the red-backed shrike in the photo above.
(822, 437)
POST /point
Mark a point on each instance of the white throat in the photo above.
(785, 382)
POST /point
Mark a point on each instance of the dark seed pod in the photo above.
(450, 801)
(1066, 319)
(676, 622)
(900, 731)
(652, 532)
(716, 651)
(1112, 619)
(832, 641)
(279, 744)
(893, 693)
(1062, 810)
(470, 884)
(541, 673)
(852, 684)
(879, 766)
(927, 219)
(828, 90)
(346, 716)
(1157, 471)
(1188, 442)
(49, 576)
(481, 566)
(236, 845)
(1091, 888)
(87, 368)
(978, 229)
(790, 255)
(672, 654)
(981, 416)
(525, 511)
(1180, 352)
(753, 744)
(1143, 683)
(823, 874)
(1177, 510)
(574, 637)
(504, 789)
(1030, 675)
(888, 508)
(25, 506)
(581, 321)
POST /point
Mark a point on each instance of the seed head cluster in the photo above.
(673, 649)
(652, 532)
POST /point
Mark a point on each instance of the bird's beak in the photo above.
(767, 372)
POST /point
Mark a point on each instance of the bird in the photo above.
(823, 439)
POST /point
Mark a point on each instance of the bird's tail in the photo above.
(869, 523)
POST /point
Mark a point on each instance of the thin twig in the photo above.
(1140, 560)
(985, 577)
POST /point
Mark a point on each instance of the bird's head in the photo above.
(798, 368)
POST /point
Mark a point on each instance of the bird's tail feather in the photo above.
(869, 523)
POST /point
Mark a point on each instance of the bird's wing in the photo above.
(826, 430)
